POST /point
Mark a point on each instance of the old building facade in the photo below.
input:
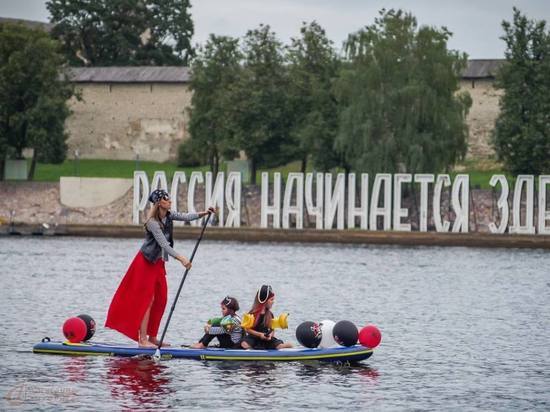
(129, 112)
(479, 80)
(126, 112)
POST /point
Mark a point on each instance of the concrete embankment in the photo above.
(485, 240)
(35, 208)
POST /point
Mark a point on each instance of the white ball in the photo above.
(327, 340)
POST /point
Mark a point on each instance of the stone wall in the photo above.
(39, 202)
(482, 116)
(120, 120)
(92, 191)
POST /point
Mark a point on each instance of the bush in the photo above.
(190, 154)
(522, 134)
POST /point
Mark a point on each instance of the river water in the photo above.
(463, 329)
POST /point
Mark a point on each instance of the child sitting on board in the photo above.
(261, 335)
(226, 329)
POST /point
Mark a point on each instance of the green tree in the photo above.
(215, 70)
(313, 67)
(33, 97)
(123, 32)
(398, 94)
(260, 108)
(522, 134)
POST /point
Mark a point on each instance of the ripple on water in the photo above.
(462, 328)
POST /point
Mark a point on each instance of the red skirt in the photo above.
(144, 282)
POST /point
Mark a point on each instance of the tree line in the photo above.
(388, 101)
(34, 90)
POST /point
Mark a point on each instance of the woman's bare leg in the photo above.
(154, 340)
(156, 311)
(143, 341)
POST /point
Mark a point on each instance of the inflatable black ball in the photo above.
(90, 325)
(309, 334)
(345, 333)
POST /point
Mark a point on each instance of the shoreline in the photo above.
(255, 235)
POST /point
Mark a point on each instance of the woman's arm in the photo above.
(153, 226)
(188, 217)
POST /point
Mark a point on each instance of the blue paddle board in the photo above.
(354, 353)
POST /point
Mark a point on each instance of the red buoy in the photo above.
(370, 336)
(75, 330)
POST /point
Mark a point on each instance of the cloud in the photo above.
(476, 25)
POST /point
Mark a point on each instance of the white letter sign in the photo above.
(334, 201)
(274, 210)
(424, 181)
(385, 210)
(398, 211)
(233, 199)
(363, 210)
(544, 214)
(439, 225)
(461, 187)
(316, 209)
(529, 182)
(502, 203)
(298, 209)
(140, 196)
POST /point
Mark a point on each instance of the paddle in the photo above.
(157, 352)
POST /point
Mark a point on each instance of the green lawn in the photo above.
(480, 174)
(125, 169)
(104, 168)
(480, 179)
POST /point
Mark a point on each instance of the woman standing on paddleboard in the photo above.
(138, 304)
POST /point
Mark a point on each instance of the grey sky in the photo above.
(476, 25)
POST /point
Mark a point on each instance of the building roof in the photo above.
(129, 74)
(476, 69)
(482, 68)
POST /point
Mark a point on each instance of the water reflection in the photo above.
(367, 373)
(140, 380)
(258, 373)
(266, 372)
(76, 368)
(452, 312)
(311, 370)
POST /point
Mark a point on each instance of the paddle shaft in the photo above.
(182, 282)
